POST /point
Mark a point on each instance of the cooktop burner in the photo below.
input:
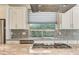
(61, 45)
(36, 45)
(55, 45)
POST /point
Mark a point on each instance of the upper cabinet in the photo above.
(18, 17)
(66, 21)
(70, 19)
(76, 17)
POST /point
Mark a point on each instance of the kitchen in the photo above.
(54, 25)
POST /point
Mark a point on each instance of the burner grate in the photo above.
(55, 45)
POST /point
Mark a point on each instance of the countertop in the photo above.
(26, 49)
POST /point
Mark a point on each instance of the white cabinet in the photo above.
(70, 19)
(18, 17)
(75, 18)
(66, 21)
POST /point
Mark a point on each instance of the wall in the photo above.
(4, 15)
(3, 11)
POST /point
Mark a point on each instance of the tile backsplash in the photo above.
(67, 34)
(70, 34)
(19, 33)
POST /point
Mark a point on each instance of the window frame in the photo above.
(42, 30)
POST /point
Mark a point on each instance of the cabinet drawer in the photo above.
(26, 41)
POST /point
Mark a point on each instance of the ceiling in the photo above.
(46, 7)
(51, 7)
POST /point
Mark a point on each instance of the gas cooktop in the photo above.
(55, 45)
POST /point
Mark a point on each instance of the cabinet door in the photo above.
(17, 18)
(21, 19)
(13, 18)
(76, 18)
(67, 20)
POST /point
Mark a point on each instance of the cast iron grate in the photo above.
(55, 45)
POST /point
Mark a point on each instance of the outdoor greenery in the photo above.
(36, 34)
(42, 33)
(47, 34)
(42, 26)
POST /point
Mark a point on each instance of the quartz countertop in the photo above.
(26, 49)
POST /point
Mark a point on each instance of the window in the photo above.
(42, 24)
(42, 30)
(47, 34)
(36, 34)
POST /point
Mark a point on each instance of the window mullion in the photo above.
(42, 33)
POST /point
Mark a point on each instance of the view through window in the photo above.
(42, 30)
